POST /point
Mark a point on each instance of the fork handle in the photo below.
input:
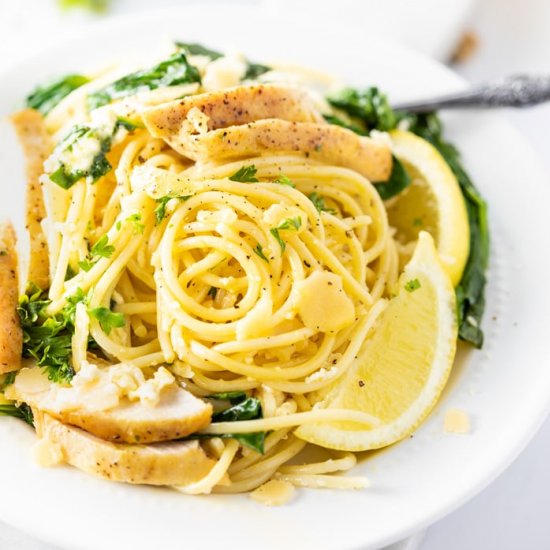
(513, 91)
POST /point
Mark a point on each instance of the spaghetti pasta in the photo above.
(261, 271)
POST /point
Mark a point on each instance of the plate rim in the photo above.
(521, 443)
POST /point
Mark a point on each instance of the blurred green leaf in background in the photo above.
(98, 6)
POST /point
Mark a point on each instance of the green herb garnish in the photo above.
(160, 210)
(292, 224)
(260, 252)
(48, 339)
(245, 174)
(319, 203)
(284, 180)
(101, 249)
(412, 285)
(107, 318)
(45, 97)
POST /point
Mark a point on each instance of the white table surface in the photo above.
(512, 512)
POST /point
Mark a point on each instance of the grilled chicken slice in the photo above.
(175, 463)
(177, 414)
(11, 335)
(231, 107)
(36, 144)
(324, 142)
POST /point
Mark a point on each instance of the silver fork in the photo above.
(513, 91)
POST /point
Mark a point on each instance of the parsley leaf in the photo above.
(319, 203)
(136, 220)
(245, 174)
(260, 252)
(48, 339)
(101, 249)
(412, 285)
(172, 72)
(107, 319)
(284, 180)
(160, 210)
(292, 224)
(44, 98)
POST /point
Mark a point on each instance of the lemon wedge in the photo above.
(433, 202)
(402, 368)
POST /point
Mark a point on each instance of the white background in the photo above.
(514, 37)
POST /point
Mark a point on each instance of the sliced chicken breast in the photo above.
(177, 414)
(11, 335)
(175, 463)
(36, 144)
(324, 142)
(231, 107)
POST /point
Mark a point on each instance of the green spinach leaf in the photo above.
(44, 98)
(172, 72)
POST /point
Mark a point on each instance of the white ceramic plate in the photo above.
(505, 388)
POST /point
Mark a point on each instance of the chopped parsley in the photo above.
(45, 97)
(292, 224)
(160, 210)
(245, 174)
(412, 285)
(48, 339)
(107, 318)
(260, 252)
(284, 180)
(101, 249)
(135, 219)
(319, 203)
(174, 71)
